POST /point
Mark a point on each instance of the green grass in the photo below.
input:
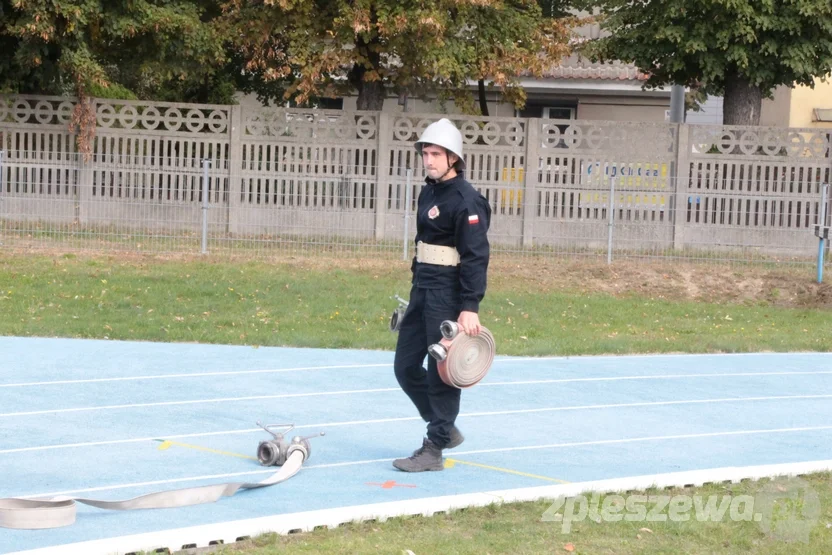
(521, 528)
(332, 304)
(260, 303)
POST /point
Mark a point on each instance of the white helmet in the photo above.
(443, 133)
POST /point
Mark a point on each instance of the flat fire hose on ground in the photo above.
(34, 514)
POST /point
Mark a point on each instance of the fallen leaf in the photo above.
(569, 547)
(648, 530)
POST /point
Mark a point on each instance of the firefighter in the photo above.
(449, 274)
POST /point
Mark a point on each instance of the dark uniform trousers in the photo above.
(437, 402)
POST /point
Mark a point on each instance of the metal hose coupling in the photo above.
(462, 360)
(398, 314)
(275, 452)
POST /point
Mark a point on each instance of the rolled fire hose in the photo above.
(463, 360)
(35, 514)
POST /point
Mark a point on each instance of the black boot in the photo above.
(427, 457)
(456, 439)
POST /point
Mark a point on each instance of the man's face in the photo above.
(435, 159)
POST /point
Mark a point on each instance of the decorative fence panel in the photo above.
(339, 180)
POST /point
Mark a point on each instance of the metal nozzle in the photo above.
(449, 329)
(438, 351)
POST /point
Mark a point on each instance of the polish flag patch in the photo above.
(473, 219)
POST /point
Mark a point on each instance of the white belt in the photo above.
(436, 254)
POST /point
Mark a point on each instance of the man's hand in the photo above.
(469, 322)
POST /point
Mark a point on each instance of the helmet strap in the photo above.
(450, 167)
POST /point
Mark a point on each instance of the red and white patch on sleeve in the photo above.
(473, 219)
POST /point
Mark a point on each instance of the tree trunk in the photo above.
(483, 100)
(371, 95)
(742, 103)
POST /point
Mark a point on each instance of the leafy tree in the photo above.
(557, 9)
(334, 47)
(127, 49)
(496, 44)
(741, 49)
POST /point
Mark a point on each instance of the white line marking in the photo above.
(652, 404)
(201, 401)
(389, 389)
(202, 434)
(639, 439)
(196, 375)
(334, 367)
(657, 377)
(410, 418)
(787, 354)
(472, 452)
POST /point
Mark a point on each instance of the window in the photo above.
(558, 112)
(823, 114)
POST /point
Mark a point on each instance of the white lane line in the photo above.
(657, 377)
(201, 401)
(196, 375)
(336, 367)
(730, 433)
(411, 418)
(203, 434)
(786, 354)
(383, 390)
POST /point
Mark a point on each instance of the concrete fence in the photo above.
(278, 172)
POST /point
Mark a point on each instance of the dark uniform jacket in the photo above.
(454, 214)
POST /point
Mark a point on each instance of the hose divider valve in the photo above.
(274, 452)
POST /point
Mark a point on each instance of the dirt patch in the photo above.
(785, 286)
(676, 280)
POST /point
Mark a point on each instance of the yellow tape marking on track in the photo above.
(167, 444)
(449, 463)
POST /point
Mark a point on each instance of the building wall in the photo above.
(710, 112)
(616, 108)
(589, 107)
(418, 106)
(775, 112)
(805, 99)
(608, 108)
(789, 107)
